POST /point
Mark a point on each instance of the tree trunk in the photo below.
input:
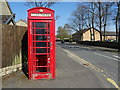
(105, 22)
(119, 25)
(117, 19)
(116, 24)
(100, 21)
(93, 22)
(89, 23)
(119, 33)
(104, 32)
(79, 32)
(93, 39)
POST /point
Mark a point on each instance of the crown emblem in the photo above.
(40, 10)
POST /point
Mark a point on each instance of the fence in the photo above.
(14, 45)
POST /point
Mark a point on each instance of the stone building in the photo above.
(85, 35)
(21, 23)
(88, 35)
(6, 14)
(109, 35)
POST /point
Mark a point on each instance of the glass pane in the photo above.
(41, 31)
(32, 24)
(40, 24)
(42, 60)
(34, 44)
(42, 69)
(33, 38)
(48, 44)
(49, 38)
(41, 38)
(41, 44)
(48, 31)
(33, 50)
(33, 31)
(48, 50)
(48, 25)
(41, 50)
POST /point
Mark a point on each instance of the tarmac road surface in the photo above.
(106, 59)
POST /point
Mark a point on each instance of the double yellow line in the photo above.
(79, 59)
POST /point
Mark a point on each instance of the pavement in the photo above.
(70, 74)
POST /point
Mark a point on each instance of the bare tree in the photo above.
(107, 13)
(39, 3)
(78, 18)
(84, 16)
(68, 29)
(119, 24)
(91, 19)
(117, 19)
(100, 19)
(92, 15)
(103, 12)
(105, 20)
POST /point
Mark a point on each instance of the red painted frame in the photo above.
(33, 59)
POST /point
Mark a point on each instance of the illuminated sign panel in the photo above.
(41, 14)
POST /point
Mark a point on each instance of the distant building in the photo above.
(6, 14)
(85, 35)
(21, 23)
(109, 35)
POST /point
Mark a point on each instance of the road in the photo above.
(103, 58)
(70, 74)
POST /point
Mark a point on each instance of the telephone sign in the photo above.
(41, 43)
(39, 14)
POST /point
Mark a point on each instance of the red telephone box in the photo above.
(41, 43)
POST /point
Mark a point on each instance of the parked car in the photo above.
(62, 41)
(111, 40)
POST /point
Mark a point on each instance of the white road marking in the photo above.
(107, 56)
(116, 56)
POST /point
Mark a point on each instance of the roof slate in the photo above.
(4, 18)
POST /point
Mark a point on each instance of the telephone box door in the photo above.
(41, 49)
